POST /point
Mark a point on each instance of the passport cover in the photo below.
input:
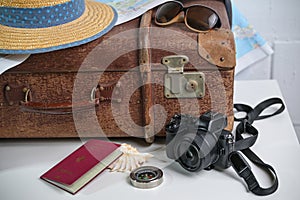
(84, 164)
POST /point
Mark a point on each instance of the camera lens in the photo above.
(187, 153)
(190, 160)
(196, 152)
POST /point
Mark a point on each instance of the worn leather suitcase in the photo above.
(129, 82)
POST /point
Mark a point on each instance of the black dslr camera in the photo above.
(199, 143)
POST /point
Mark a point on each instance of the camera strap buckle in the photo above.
(243, 169)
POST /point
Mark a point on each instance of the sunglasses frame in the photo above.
(183, 18)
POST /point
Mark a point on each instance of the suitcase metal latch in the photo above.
(180, 84)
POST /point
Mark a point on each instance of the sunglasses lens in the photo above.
(202, 18)
(167, 12)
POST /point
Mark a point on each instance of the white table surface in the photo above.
(23, 161)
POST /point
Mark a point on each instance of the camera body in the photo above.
(199, 143)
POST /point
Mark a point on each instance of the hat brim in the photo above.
(97, 19)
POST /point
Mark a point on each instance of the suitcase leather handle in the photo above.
(101, 93)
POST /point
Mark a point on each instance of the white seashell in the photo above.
(130, 160)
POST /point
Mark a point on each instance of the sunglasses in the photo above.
(197, 17)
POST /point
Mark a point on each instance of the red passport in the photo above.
(84, 164)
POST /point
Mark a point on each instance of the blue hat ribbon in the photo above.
(42, 17)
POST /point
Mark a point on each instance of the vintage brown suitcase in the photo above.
(129, 82)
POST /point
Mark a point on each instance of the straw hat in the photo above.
(36, 26)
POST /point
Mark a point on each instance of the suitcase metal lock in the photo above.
(180, 84)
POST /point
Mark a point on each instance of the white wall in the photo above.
(278, 21)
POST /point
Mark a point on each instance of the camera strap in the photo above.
(243, 144)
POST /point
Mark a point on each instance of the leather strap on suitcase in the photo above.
(145, 70)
